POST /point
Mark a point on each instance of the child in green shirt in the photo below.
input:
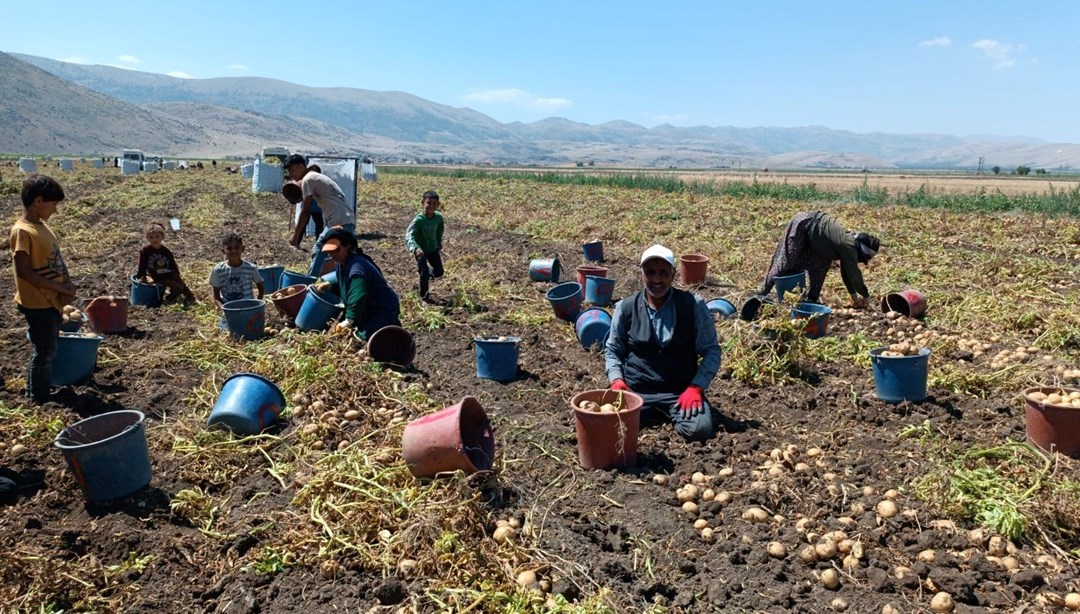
(424, 239)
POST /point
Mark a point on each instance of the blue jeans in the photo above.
(698, 428)
(317, 256)
(44, 337)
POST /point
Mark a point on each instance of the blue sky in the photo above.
(988, 67)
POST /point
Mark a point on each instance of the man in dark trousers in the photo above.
(657, 336)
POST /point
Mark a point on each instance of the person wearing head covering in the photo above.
(370, 303)
(657, 336)
(812, 241)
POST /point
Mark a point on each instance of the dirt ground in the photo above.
(616, 530)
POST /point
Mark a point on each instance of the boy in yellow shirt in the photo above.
(42, 284)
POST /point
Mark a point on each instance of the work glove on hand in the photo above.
(345, 324)
(859, 302)
(619, 385)
(691, 402)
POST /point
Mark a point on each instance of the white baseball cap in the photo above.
(658, 251)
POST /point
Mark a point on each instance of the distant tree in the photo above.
(580, 164)
(996, 170)
(1023, 170)
(1041, 171)
(592, 162)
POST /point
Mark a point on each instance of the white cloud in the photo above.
(668, 118)
(998, 53)
(517, 97)
(941, 41)
(237, 67)
(75, 60)
(129, 59)
(179, 74)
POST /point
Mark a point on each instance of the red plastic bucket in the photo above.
(453, 438)
(910, 303)
(587, 269)
(607, 440)
(1052, 427)
(108, 314)
(289, 306)
(692, 268)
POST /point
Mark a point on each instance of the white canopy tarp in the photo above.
(267, 177)
(67, 164)
(150, 167)
(247, 171)
(27, 165)
(368, 172)
(169, 165)
(130, 167)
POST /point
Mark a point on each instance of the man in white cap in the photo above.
(657, 335)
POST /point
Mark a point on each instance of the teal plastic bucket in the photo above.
(544, 270)
(900, 378)
(721, 307)
(271, 276)
(290, 278)
(248, 403)
(817, 317)
(107, 454)
(565, 300)
(76, 357)
(496, 358)
(788, 283)
(245, 318)
(319, 310)
(598, 290)
(593, 251)
(148, 295)
(592, 327)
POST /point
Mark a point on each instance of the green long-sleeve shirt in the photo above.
(355, 298)
(425, 233)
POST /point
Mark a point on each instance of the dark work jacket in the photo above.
(650, 368)
(381, 307)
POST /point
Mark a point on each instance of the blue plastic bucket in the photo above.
(76, 357)
(817, 316)
(148, 295)
(788, 283)
(248, 403)
(592, 327)
(107, 454)
(565, 299)
(900, 378)
(496, 358)
(245, 318)
(271, 276)
(721, 307)
(544, 270)
(598, 290)
(319, 310)
(330, 277)
(593, 251)
(291, 278)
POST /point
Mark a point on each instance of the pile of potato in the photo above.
(593, 406)
(286, 292)
(71, 314)
(1061, 398)
(899, 350)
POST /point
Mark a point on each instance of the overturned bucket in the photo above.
(816, 316)
(593, 251)
(246, 318)
(565, 300)
(76, 357)
(721, 307)
(751, 309)
(247, 404)
(146, 294)
(271, 278)
(319, 309)
(900, 378)
(458, 437)
(787, 283)
(592, 327)
(910, 303)
(107, 454)
(496, 358)
(607, 440)
(598, 290)
(392, 345)
(544, 270)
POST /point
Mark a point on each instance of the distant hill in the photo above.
(61, 107)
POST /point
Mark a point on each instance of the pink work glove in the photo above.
(619, 385)
(690, 402)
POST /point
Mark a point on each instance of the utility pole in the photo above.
(981, 158)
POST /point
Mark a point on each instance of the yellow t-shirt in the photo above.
(40, 243)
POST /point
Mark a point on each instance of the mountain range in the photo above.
(54, 107)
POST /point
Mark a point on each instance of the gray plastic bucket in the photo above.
(107, 454)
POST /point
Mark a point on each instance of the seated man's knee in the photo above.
(699, 428)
